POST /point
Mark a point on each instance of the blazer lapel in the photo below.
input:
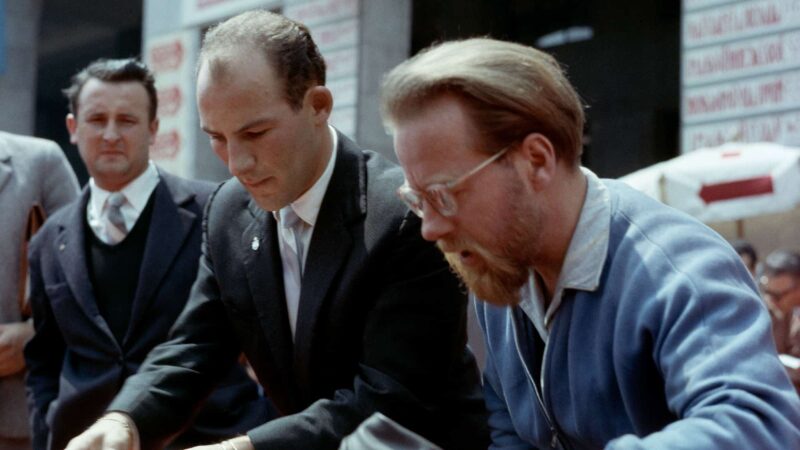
(264, 272)
(343, 205)
(170, 225)
(71, 246)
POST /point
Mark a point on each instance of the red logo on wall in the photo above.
(167, 145)
(166, 57)
(169, 101)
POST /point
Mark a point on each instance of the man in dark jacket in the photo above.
(310, 265)
(111, 271)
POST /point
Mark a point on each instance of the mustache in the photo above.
(496, 281)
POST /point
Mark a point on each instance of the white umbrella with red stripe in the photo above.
(732, 182)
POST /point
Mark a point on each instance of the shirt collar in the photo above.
(137, 192)
(587, 251)
(307, 205)
(584, 260)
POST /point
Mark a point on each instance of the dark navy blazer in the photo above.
(76, 366)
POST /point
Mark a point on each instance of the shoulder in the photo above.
(229, 209)
(60, 220)
(663, 253)
(645, 227)
(31, 150)
(198, 190)
(227, 197)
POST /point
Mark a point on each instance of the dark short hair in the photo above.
(113, 71)
(745, 248)
(286, 45)
(782, 262)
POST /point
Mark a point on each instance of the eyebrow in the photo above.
(256, 122)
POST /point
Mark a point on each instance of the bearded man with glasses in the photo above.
(610, 320)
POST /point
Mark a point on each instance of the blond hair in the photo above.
(510, 90)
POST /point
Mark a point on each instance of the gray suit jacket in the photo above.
(31, 171)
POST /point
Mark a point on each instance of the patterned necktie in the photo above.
(293, 262)
(290, 220)
(116, 229)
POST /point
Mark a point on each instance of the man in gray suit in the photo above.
(31, 171)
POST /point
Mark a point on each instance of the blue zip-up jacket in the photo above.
(671, 349)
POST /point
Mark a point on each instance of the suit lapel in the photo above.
(71, 246)
(170, 225)
(264, 272)
(343, 205)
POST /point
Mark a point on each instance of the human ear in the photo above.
(72, 126)
(320, 100)
(537, 159)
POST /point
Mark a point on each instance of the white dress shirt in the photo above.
(307, 208)
(136, 193)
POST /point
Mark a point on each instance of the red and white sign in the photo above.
(334, 24)
(316, 12)
(691, 5)
(166, 57)
(740, 72)
(742, 19)
(742, 58)
(780, 127)
(171, 58)
(341, 63)
(763, 94)
(336, 35)
(198, 12)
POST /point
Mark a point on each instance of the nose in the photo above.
(434, 225)
(111, 132)
(240, 160)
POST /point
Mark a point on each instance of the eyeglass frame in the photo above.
(446, 188)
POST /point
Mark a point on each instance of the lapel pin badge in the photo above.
(61, 247)
(254, 244)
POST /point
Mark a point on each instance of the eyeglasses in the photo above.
(440, 195)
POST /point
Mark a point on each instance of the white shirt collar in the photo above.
(137, 192)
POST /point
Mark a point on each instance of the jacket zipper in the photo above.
(555, 439)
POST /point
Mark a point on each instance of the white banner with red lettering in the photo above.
(200, 12)
(740, 72)
(171, 58)
(731, 182)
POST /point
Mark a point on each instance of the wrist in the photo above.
(127, 423)
(237, 443)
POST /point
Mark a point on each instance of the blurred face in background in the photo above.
(113, 131)
(781, 292)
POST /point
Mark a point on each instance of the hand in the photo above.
(13, 337)
(114, 431)
(237, 443)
